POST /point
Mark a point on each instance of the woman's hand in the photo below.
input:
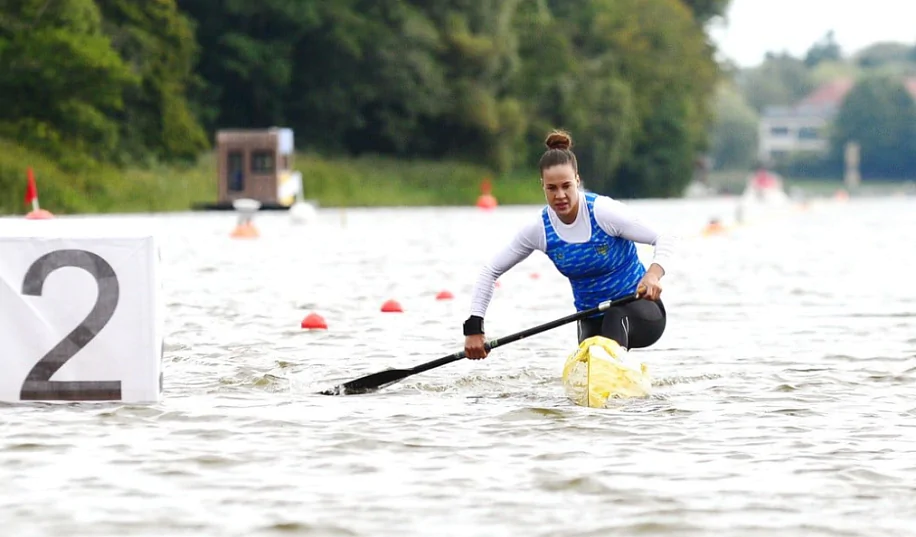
(475, 347)
(650, 287)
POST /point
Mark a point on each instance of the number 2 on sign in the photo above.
(38, 385)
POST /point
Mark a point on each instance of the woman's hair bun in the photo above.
(558, 139)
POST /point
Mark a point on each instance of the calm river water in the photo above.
(784, 404)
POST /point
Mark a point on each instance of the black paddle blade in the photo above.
(369, 383)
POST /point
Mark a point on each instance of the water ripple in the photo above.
(781, 405)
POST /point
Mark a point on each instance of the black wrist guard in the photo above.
(473, 326)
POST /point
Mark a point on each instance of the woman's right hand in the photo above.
(475, 347)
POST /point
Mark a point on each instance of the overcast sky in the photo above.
(753, 27)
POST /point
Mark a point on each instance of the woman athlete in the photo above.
(591, 240)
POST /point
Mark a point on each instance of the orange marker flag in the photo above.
(31, 191)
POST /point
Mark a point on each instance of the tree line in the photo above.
(879, 112)
(133, 82)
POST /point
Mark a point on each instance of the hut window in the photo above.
(235, 171)
(262, 162)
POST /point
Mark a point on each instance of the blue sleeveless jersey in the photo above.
(603, 268)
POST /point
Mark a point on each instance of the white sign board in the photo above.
(80, 312)
(285, 141)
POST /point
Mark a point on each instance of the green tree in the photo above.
(735, 134)
(349, 76)
(656, 47)
(704, 10)
(158, 43)
(825, 50)
(880, 114)
(571, 79)
(247, 56)
(883, 54)
(62, 81)
(780, 80)
(480, 55)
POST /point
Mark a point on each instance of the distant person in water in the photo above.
(591, 239)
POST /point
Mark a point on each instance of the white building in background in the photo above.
(804, 126)
(786, 130)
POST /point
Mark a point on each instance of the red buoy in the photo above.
(392, 306)
(313, 321)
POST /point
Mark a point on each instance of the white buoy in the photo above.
(245, 208)
(301, 212)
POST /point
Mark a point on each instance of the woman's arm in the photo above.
(619, 220)
(526, 241)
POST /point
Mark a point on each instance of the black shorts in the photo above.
(633, 325)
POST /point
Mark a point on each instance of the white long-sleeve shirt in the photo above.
(614, 217)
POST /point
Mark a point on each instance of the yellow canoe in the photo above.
(599, 370)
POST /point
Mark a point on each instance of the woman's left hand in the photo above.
(652, 288)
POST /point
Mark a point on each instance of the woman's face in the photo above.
(561, 188)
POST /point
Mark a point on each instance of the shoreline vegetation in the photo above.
(372, 181)
(331, 182)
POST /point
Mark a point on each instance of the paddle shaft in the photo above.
(389, 376)
(493, 343)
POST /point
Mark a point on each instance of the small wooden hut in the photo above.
(254, 164)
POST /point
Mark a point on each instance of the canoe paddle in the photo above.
(376, 381)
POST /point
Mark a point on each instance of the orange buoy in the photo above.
(39, 214)
(246, 208)
(245, 230)
(486, 201)
(714, 227)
